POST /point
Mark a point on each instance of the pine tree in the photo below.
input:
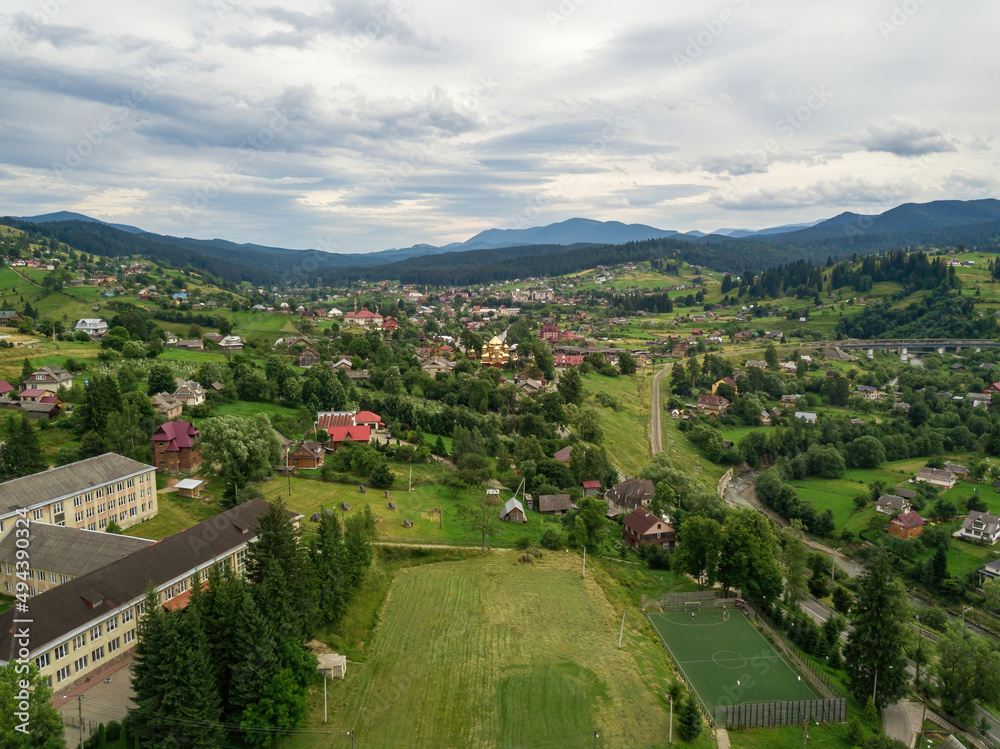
(328, 559)
(256, 653)
(26, 370)
(193, 696)
(875, 645)
(689, 719)
(147, 663)
(439, 448)
(283, 576)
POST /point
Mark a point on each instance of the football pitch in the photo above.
(728, 662)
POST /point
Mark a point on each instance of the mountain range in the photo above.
(578, 241)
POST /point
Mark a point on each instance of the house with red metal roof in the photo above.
(642, 528)
(175, 446)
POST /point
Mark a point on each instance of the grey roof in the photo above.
(892, 502)
(67, 480)
(554, 503)
(510, 505)
(74, 551)
(65, 608)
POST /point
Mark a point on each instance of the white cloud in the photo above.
(414, 121)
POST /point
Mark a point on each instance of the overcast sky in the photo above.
(355, 126)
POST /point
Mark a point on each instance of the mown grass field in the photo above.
(483, 653)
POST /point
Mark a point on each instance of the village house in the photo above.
(167, 405)
(869, 392)
(60, 554)
(960, 471)
(309, 454)
(906, 525)
(807, 416)
(712, 404)
(49, 378)
(936, 477)
(789, 401)
(563, 455)
(189, 392)
(175, 446)
(591, 488)
(643, 529)
(437, 364)
(10, 318)
(981, 526)
(726, 381)
(365, 318)
(91, 621)
(94, 327)
(307, 357)
(86, 494)
(629, 494)
(890, 504)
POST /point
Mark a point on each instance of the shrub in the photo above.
(552, 539)
(522, 543)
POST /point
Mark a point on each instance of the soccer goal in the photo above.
(692, 606)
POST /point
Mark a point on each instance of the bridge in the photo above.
(904, 344)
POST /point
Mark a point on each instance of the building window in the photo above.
(62, 674)
(102, 523)
(127, 615)
(90, 512)
(131, 497)
(121, 501)
(132, 511)
(57, 508)
(95, 633)
(63, 578)
(91, 526)
(122, 515)
(112, 624)
(79, 641)
(97, 655)
(169, 593)
(241, 562)
(182, 586)
(42, 661)
(114, 645)
(81, 663)
(37, 514)
(100, 508)
(7, 570)
(52, 577)
(100, 493)
(62, 651)
(128, 636)
(79, 517)
(143, 506)
(121, 486)
(131, 483)
(89, 496)
(77, 501)
(9, 587)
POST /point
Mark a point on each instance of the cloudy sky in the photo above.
(356, 126)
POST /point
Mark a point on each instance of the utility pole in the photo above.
(805, 732)
(79, 704)
(833, 566)
(621, 631)
(584, 561)
(670, 740)
(324, 698)
(287, 472)
(595, 739)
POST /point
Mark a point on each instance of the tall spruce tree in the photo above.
(284, 579)
(257, 661)
(21, 453)
(875, 645)
(689, 719)
(328, 559)
(148, 661)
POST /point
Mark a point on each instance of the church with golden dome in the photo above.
(496, 353)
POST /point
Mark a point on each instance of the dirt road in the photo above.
(654, 421)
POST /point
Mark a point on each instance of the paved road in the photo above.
(654, 425)
(896, 719)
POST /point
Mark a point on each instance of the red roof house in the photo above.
(642, 528)
(340, 435)
(367, 418)
(5, 387)
(175, 446)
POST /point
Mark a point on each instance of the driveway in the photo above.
(896, 719)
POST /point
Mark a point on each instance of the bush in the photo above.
(522, 543)
(552, 539)
(382, 477)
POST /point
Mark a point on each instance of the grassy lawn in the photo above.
(177, 513)
(465, 657)
(626, 431)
